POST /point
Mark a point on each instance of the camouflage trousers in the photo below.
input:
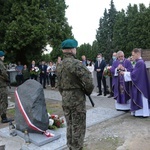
(76, 125)
(3, 100)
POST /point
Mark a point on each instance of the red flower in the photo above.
(62, 120)
(58, 124)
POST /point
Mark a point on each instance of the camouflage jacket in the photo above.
(73, 75)
(3, 75)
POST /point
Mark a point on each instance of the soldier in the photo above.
(74, 80)
(3, 90)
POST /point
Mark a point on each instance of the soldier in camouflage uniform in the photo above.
(3, 90)
(74, 80)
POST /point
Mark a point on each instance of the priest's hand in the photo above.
(98, 70)
(119, 66)
(122, 72)
(122, 68)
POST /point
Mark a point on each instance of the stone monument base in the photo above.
(40, 139)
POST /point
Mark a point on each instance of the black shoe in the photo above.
(109, 96)
(5, 119)
(105, 94)
(123, 110)
(99, 94)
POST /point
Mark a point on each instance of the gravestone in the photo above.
(31, 97)
(12, 75)
(146, 57)
(31, 113)
(146, 54)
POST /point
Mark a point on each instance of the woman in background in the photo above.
(90, 67)
(52, 69)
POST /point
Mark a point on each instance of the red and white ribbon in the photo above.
(48, 134)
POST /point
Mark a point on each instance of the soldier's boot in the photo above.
(5, 119)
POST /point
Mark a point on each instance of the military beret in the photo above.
(69, 43)
(2, 53)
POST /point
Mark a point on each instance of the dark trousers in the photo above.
(103, 79)
(33, 76)
(47, 79)
(111, 91)
(43, 79)
(19, 79)
(52, 80)
(3, 100)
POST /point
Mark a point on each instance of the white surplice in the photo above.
(145, 111)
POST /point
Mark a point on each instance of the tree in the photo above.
(58, 27)
(120, 31)
(25, 35)
(131, 29)
(102, 33)
(84, 49)
(95, 50)
(105, 31)
(29, 25)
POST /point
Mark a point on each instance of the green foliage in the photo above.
(90, 51)
(131, 29)
(104, 34)
(95, 50)
(124, 30)
(27, 26)
(61, 29)
(84, 49)
(46, 57)
(120, 31)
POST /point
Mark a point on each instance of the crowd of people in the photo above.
(129, 85)
(45, 73)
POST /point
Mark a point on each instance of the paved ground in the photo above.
(103, 110)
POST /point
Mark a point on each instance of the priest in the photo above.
(120, 87)
(140, 87)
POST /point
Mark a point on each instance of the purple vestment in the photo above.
(140, 85)
(120, 87)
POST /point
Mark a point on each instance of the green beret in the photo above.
(2, 53)
(69, 43)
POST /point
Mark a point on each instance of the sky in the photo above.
(84, 15)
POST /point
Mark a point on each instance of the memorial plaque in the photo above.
(146, 54)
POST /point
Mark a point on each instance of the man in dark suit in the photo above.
(99, 67)
(43, 72)
(84, 61)
(114, 57)
(31, 67)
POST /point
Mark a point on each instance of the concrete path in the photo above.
(103, 110)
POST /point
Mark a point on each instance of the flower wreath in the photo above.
(107, 71)
(55, 121)
(35, 71)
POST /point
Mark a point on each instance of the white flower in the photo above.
(109, 67)
(36, 69)
(56, 116)
(51, 122)
(48, 115)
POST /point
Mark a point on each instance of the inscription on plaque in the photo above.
(146, 54)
